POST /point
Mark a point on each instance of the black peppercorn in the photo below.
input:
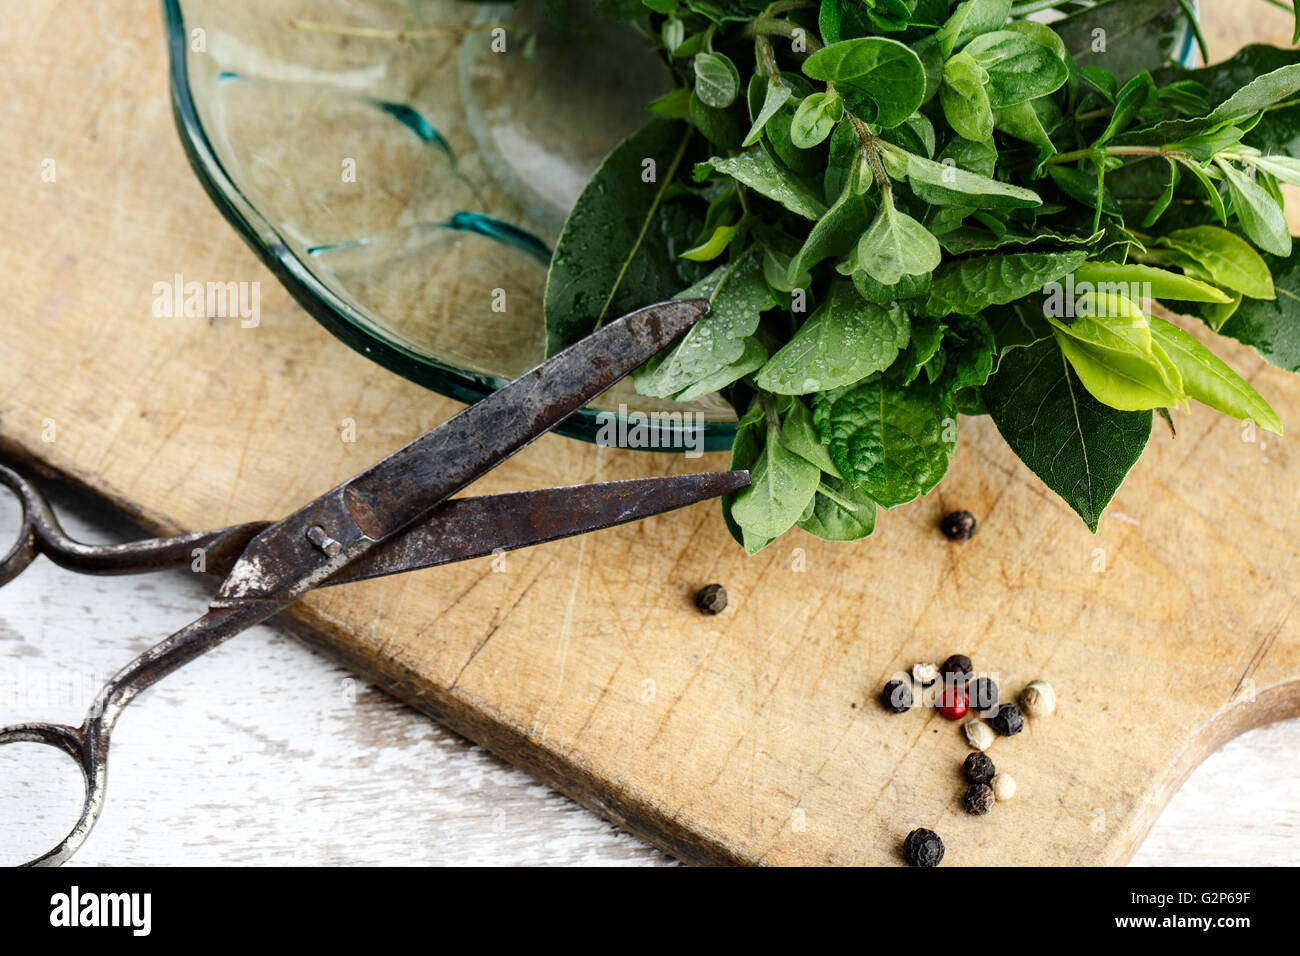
(983, 694)
(978, 768)
(978, 799)
(957, 670)
(923, 848)
(711, 599)
(1008, 720)
(896, 697)
(958, 526)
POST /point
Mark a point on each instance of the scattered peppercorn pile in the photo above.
(960, 692)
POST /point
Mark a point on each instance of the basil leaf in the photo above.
(964, 98)
(1209, 380)
(880, 80)
(839, 512)
(1080, 448)
(1135, 32)
(1259, 214)
(966, 286)
(613, 255)
(890, 442)
(781, 486)
(968, 20)
(896, 245)
(755, 169)
(717, 81)
(1162, 283)
(737, 295)
(1018, 68)
(844, 341)
(1272, 328)
(948, 183)
(1110, 348)
(1227, 258)
(815, 118)
(774, 98)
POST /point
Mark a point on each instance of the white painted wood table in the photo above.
(263, 752)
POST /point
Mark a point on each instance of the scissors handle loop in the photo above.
(88, 744)
(41, 533)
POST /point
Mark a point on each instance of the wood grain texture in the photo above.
(266, 753)
(744, 738)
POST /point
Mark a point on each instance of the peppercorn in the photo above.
(1008, 721)
(923, 848)
(711, 599)
(983, 694)
(896, 697)
(958, 669)
(925, 674)
(978, 734)
(958, 526)
(978, 799)
(978, 767)
(954, 703)
(1038, 699)
(1003, 786)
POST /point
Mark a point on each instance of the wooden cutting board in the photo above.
(749, 737)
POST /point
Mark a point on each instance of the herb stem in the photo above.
(869, 146)
(785, 28)
(785, 6)
(1091, 153)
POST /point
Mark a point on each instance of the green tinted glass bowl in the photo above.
(408, 191)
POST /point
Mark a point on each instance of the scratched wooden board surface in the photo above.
(745, 738)
(265, 753)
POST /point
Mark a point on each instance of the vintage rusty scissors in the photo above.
(393, 517)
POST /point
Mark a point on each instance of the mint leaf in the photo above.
(1272, 328)
(966, 286)
(880, 80)
(844, 341)
(896, 245)
(890, 442)
(736, 294)
(1080, 448)
(755, 169)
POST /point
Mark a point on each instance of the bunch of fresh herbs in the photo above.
(906, 210)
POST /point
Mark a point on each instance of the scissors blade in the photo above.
(312, 544)
(409, 482)
(472, 527)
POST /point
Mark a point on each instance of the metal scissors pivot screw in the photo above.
(396, 516)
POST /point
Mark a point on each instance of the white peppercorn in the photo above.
(925, 673)
(1038, 699)
(979, 734)
(1004, 786)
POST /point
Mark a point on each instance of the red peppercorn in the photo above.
(954, 703)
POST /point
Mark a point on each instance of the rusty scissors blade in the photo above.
(393, 517)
